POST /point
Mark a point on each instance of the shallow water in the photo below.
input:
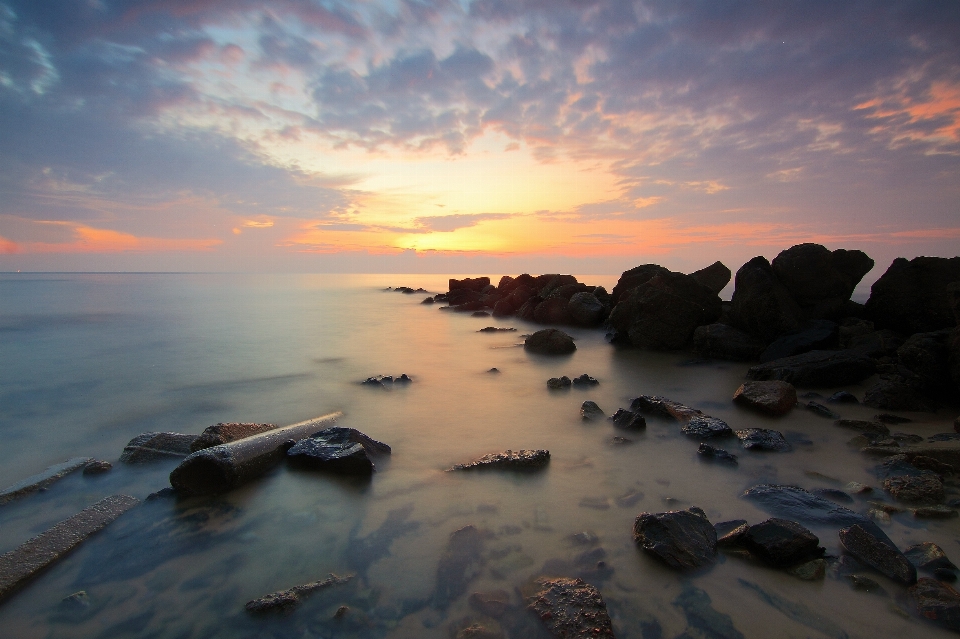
(90, 361)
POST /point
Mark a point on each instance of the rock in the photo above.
(818, 334)
(821, 410)
(882, 343)
(897, 392)
(496, 329)
(872, 547)
(863, 426)
(816, 369)
(763, 439)
(929, 556)
(704, 427)
(227, 432)
(338, 449)
(584, 309)
(820, 281)
(550, 341)
(761, 305)
(887, 418)
(771, 397)
(590, 411)
(781, 543)
(493, 604)
(460, 563)
(633, 278)
(865, 584)
(911, 297)
(934, 512)
(97, 467)
(715, 277)
(628, 419)
(43, 479)
(570, 608)
(663, 407)
(927, 355)
(471, 284)
(956, 425)
(706, 451)
(843, 397)
(799, 505)
(730, 533)
(557, 383)
(509, 460)
(796, 611)
(150, 447)
(585, 380)
(814, 570)
(702, 619)
(834, 494)
(921, 489)
(428, 300)
(721, 341)
(684, 539)
(480, 314)
(937, 602)
(284, 601)
(552, 310)
(852, 327)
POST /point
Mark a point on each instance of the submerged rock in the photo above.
(97, 467)
(590, 411)
(706, 451)
(43, 479)
(817, 369)
(570, 608)
(338, 449)
(781, 543)
(628, 419)
(509, 460)
(285, 601)
(937, 602)
(763, 439)
(872, 547)
(821, 410)
(550, 341)
(682, 539)
(460, 563)
(876, 428)
(798, 504)
(702, 619)
(770, 397)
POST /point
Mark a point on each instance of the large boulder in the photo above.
(633, 278)
(682, 539)
(584, 309)
(898, 391)
(715, 277)
(552, 310)
(819, 280)
(912, 296)
(550, 341)
(721, 341)
(761, 304)
(815, 335)
(817, 369)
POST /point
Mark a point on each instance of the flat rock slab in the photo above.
(571, 609)
(550, 341)
(798, 504)
(285, 601)
(682, 539)
(937, 602)
(150, 447)
(226, 432)
(509, 460)
(781, 543)
(772, 397)
(20, 565)
(43, 479)
(705, 427)
(763, 439)
(874, 548)
(817, 369)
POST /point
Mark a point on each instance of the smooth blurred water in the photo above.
(89, 361)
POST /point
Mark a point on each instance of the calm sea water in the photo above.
(89, 361)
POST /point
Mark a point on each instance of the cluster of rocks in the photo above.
(386, 381)
(583, 381)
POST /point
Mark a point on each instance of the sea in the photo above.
(89, 361)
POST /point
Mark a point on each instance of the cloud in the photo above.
(449, 223)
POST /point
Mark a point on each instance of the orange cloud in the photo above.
(941, 102)
(87, 239)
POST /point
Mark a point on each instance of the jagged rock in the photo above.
(872, 547)
(911, 297)
(338, 449)
(153, 446)
(818, 334)
(684, 539)
(730, 533)
(715, 277)
(584, 309)
(817, 369)
(781, 543)
(821, 410)
(937, 602)
(772, 397)
(763, 439)
(706, 451)
(721, 341)
(628, 419)
(800, 505)
(929, 556)
(227, 432)
(819, 280)
(509, 460)
(585, 380)
(550, 341)
(704, 427)
(761, 304)
(570, 608)
(863, 426)
(284, 601)
(590, 411)
(559, 382)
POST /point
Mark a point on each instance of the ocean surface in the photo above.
(88, 361)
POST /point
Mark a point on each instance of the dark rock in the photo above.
(911, 297)
(552, 310)
(97, 467)
(284, 601)
(471, 284)
(941, 437)
(338, 449)
(763, 439)
(798, 504)
(557, 383)
(875, 549)
(918, 489)
(550, 341)
(898, 392)
(153, 446)
(494, 370)
(797, 611)
(721, 341)
(772, 397)
(428, 300)
(853, 327)
(729, 533)
(781, 543)
(378, 381)
(509, 460)
(704, 427)
(821, 410)
(882, 343)
(928, 556)
(909, 438)
(761, 305)
(628, 419)
(633, 278)
(663, 407)
(496, 329)
(813, 570)
(460, 563)
(590, 411)
(480, 314)
(843, 397)
(863, 426)
(584, 309)
(934, 512)
(715, 277)
(551, 284)
(820, 281)
(927, 355)
(585, 380)
(834, 494)
(706, 451)
(493, 604)
(684, 540)
(817, 369)
(570, 608)
(227, 432)
(702, 619)
(887, 418)
(818, 334)
(937, 602)
(865, 584)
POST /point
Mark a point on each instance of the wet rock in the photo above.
(585, 380)
(460, 563)
(97, 467)
(154, 446)
(887, 418)
(761, 305)
(911, 296)
(493, 604)
(496, 329)
(730, 533)
(570, 608)
(663, 407)
(706, 451)
(800, 505)
(590, 411)
(227, 432)
(550, 341)
(929, 556)
(898, 392)
(557, 383)
(480, 314)
(921, 489)
(284, 601)
(821, 410)
(834, 494)
(702, 619)
(684, 539)
(937, 602)
(509, 460)
(934, 512)
(876, 428)
(857, 488)
(819, 334)
(43, 479)
(628, 420)
(781, 543)
(715, 277)
(819, 280)
(814, 570)
(843, 397)
(770, 397)
(704, 427)
(870, 546)
(721, 341)
(763, 439)
(817, 369)
(339, 450)
(584, 309)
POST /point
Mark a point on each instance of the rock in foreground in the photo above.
(682, 539)
(509, 460)
(571, 609)
(550, 341)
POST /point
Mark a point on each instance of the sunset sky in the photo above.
(491, 136)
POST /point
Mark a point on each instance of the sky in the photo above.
(483, 136)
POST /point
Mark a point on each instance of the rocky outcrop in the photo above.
(817, 369)
(912, 297)
(682, 539)
(508, 460)
(761, 304)
(769, 397)
(550, 341)
(633, 278)
(820, 281)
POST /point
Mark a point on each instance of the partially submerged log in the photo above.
(42, 479)
(19, 566)
(222, 468)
